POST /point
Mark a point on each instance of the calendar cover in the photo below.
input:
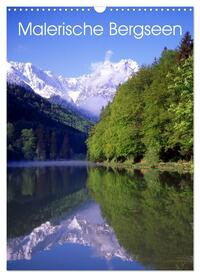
(100, 138)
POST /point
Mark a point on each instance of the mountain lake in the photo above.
(74, 215)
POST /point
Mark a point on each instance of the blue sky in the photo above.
(73, 56)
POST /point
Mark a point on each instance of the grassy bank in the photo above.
(180, 166)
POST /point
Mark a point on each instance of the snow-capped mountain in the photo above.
(82, 228)
(45, 83)
(88, 93)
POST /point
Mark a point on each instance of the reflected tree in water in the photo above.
(151, 213)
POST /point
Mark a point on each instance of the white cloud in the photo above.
(104, 79)
(108, 55)
(98, 65)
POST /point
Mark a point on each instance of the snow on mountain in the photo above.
(45, 83)
(14, 76)
(101, 84)
(88, 93)
(81, 228)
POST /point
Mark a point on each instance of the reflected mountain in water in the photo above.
(90, 217)
(40, 191)
(86, 227)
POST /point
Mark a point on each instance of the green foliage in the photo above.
(151, 214)
(28, 143)
(151, 114)
(59, 133)
(10, 138)
(156, 117)
(118, 134)
(186, 48)
(181, 129)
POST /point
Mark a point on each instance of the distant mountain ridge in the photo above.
(87, 93)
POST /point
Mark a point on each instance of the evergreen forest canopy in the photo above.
(40, 130)
(151, 116)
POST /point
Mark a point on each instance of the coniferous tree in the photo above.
(186, 48)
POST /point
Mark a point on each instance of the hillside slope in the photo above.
(38, 129)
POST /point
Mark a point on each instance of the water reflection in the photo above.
(38, 194)
(84, 227)
(145, 218)
(151, 214)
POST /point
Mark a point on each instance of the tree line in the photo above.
(40, 130)
(151, 116)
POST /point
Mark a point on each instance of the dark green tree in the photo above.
(10, 132)
(10, 140)
(28, 143)
(53, 146)
(186, 48)
(65, 148)
(41, 144)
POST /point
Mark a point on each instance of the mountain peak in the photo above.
(89, 92)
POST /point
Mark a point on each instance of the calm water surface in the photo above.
(73, 215)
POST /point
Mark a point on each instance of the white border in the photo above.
(88, 9)
(92, 3)
(74, 3)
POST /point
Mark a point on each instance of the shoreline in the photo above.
(186, 167)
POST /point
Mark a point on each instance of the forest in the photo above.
(40, 130)
(151, 116)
